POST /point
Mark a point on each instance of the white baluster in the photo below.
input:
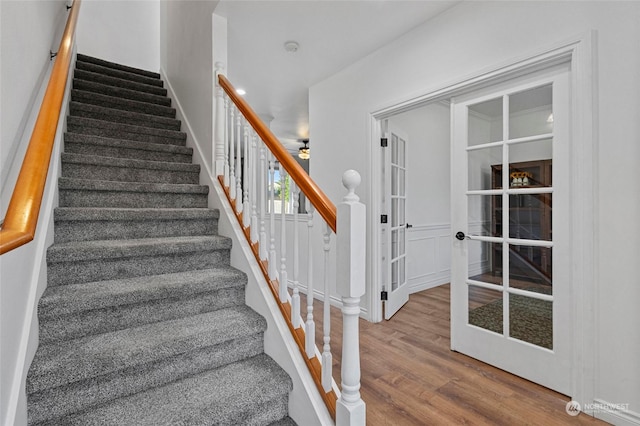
(273, 263)
(238, 162)
(283, 293)
(262, 198)
(350, 284)
(327, 358)
(254, 188)
(218, 157)
(310, 330)
(246, 208)
(232, 153)
(295, 297)
(226, 141)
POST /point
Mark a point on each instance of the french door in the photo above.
(394, 240)
(511, 273)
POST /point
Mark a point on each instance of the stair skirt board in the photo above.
(144, 321)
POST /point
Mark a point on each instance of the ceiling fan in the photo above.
(303, 151)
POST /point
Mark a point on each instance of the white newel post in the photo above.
(350, 284)
(219, 121)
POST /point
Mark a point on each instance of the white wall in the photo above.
(472, 38)
(187, 62)
(125, 32)
(28, 31)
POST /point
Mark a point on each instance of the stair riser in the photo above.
(122, 104)
(81, 65)
(124, 174)
(268, 413)
(119, 82)
(109, 127)
(88, 198)
(123, 117)
(121, 134)
(123, 152)
(121, 93)
(45, 404)
(91, 230)
(103, 320)
(133, 266)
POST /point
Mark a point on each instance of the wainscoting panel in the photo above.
(428, 256)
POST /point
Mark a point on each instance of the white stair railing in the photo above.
(247, 156)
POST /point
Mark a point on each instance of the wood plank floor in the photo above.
(411, 377)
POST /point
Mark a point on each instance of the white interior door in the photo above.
(395, 230)
(511, 267)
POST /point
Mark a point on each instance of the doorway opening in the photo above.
(416, 239)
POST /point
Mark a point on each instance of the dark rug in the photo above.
(530, 320)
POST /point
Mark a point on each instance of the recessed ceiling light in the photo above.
(241, 92)
(291, 46)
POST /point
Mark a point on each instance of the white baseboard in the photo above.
(606, 411)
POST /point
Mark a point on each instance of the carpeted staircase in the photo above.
(143, 321)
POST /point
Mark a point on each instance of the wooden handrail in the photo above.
(314, 194)
(20, 223)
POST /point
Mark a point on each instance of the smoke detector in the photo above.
(291, 46)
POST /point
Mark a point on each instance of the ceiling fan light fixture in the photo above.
(303, 151)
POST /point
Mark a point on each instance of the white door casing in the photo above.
(579, 52)
(475, 256)
(394, 232)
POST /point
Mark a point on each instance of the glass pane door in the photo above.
(510, 274)
(508, 303)
(396, 166)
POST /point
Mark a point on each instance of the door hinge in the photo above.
(383, 218)
(384, 295)
(384, 142)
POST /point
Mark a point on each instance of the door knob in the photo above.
(460, 235)
(408, 225)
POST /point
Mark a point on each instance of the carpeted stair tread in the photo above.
(95, 193)
(86, 261)
(83, 166)
(119, 82)
(151, 299)
(115, 249)
(112, 65)
(89, 223)
(104, 185)
(97, 112)
(126, 162)
(111, 215)
(115, 214)
(111, 147)
(120, 92)
(60, 363)
(110, 127)
(74, 298)
(47, 406)
(249, 393)
(123, 104)
(124, 75)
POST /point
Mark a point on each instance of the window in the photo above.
(287, 187)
